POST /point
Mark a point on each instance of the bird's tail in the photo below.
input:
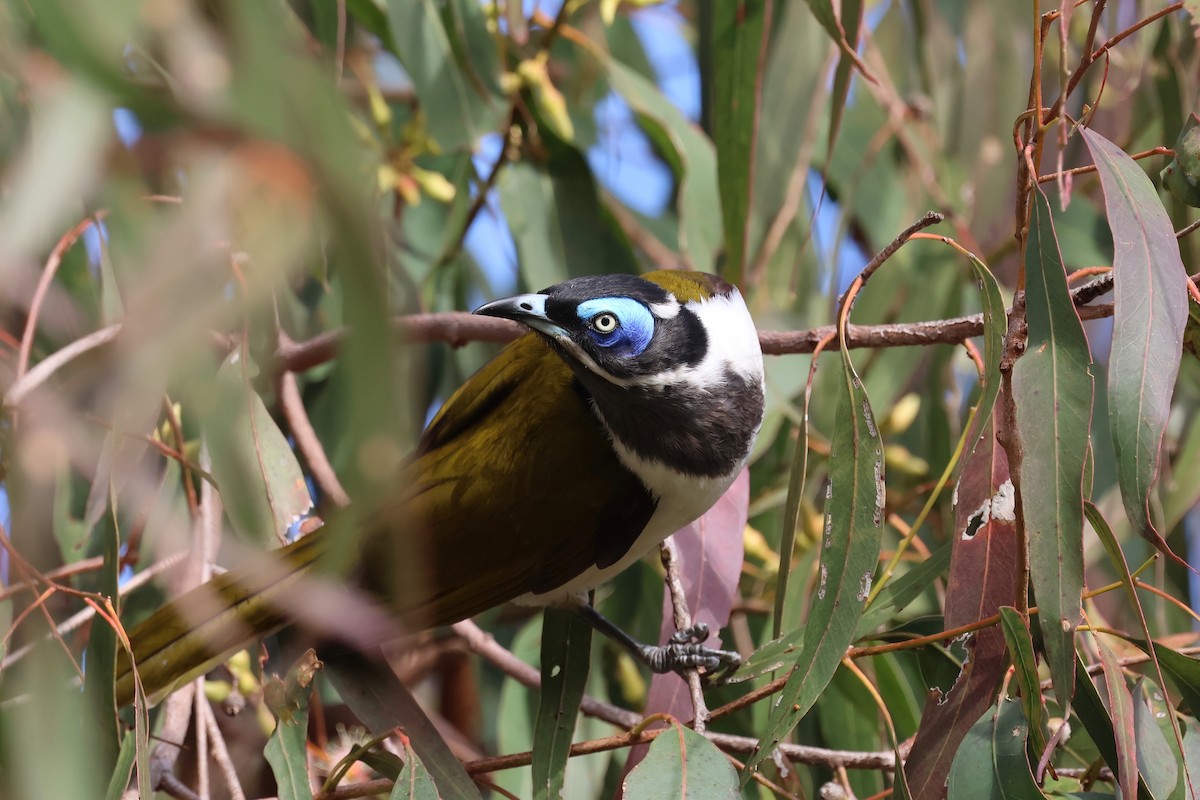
(203, 628)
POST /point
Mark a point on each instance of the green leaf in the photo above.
(1149, 314)
(287, 753)
(123, 768)
(102, 653)
(991, 762)
(453, 65)
(683, 765)
(566, 652)
(1156, 763)
(1162, 658)
(691, 157)
(260, 479)
(739, 45)
(558, 225)
(383, 703)
(849, 556)
(1091, 711)
(1024, 659)
(414, 781)
(1120, 709)
(1052, 390)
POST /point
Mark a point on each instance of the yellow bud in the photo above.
(902, 415)
(434, 184)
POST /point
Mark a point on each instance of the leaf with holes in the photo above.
(849, 555)
(984, 575)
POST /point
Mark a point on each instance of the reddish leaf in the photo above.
(1120, 708)
(983, 577)
(710, 563)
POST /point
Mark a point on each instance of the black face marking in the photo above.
(688, 428)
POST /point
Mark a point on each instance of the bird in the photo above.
(621, 416)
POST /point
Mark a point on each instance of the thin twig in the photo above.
(683, 620)
(80, 617)
(221, 753)
(307, 441)
(43, 287)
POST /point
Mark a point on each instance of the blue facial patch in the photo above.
(635, 326)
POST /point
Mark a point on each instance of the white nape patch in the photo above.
(732, 346)
(668, 309)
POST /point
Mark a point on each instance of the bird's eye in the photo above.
(605, 322)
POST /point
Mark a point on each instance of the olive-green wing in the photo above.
(515, 489)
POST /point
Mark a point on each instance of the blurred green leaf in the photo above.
(260, 479)
(123, 768)
(383, 703)
(899, 593)
(1052, 390)
(739, 57)
(566, 650)
(454, 66)
(691, 156)
(682, 765)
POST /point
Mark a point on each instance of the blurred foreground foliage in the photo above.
(197, 198)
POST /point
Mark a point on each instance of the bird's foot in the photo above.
(685, 651)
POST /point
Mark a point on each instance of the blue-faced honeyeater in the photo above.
(622, 416)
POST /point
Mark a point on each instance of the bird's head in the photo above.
(653, 331)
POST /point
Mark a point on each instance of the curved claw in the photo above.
(678, 656)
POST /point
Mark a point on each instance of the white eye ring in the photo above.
(605, 322)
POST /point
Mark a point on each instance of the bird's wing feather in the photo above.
(517, 489)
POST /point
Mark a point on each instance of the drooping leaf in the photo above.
(1156, 763)
(1052, 390)
(460, 102)
(709, 554)
(1021, 653)
(852, 11)
(984, 576)
(1160, 656)
(855, 501)
(1149, 314)
(682, 765)
(739, 48)
(566, 650)
(1120, 709)
(1094, 715)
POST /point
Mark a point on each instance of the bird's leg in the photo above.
(684, 651)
